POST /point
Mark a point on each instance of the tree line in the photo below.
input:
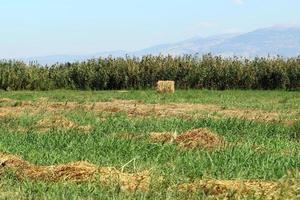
(189, 72)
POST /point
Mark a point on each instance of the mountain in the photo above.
(283, 41)
(191, 46)
(49, 60)
(272, 41)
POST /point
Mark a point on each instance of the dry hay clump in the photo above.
(3, 114)
(7, 112)
(6, 100)
(60, 122)
(42, 102)
(287, 187)
(230, 188)
(165, 137)
(200, 138)
(136, 108)
(165, 86)
(255, 114)
(81, 171)
(128, 136)
(197, 138)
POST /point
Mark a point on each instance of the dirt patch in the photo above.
(197, 138)
(60, 122)
(262, 189)
(81, 171)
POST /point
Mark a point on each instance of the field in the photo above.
(137, 144)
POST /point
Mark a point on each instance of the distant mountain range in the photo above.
(283, 41)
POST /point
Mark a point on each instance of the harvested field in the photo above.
(197, 144)
(137, 108)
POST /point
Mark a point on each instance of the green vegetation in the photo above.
(265, 100)
(133, 73)
(260, 150)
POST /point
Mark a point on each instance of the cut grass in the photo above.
(265, 100)
(256, 151)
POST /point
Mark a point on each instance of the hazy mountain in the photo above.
(191, 46)
(283, 41)
(72, 58)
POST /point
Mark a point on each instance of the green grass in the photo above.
(278, 152)
(265, 100)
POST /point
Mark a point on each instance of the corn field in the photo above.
(210, 72)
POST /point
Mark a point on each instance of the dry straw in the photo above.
(196, 138)
(165, 86)
(81, 171)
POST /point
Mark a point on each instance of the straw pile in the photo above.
(60, 122)
(201, 138)
(233, 188)
(81, 171)
(165, 87)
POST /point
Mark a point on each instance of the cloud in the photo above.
(239, 2)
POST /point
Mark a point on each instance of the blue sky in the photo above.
(52, 27)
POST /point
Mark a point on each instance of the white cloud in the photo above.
(239, 2)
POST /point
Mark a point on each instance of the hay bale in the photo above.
(165, 86)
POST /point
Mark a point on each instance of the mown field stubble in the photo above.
(194, 144)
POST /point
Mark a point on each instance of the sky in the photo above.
(71, 27)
